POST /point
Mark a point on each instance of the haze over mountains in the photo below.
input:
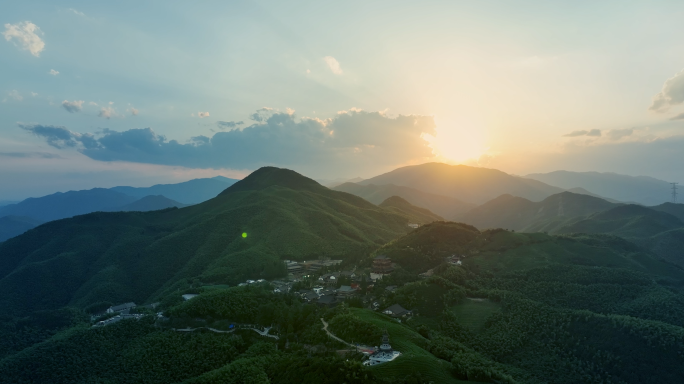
(68, 204)
(445, 206)
(640, 189)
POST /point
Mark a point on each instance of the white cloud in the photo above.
(34, 94)
(333, 64)
(73, 106)
(593, 132)
(53, 72)
(15, 95)
(75, 12)
(25, 34)
(107, 112)
(671, 94)
(202, 114)
(93, 103)
(134, 111)
(617, 134)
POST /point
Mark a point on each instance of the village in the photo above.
(314, 282)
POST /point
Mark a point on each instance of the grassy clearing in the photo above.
(472, 314)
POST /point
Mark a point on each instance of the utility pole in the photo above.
(674, 192)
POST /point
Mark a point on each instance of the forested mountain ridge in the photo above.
(524, 308)
(135, 256)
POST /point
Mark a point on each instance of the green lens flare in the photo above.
(244, 234)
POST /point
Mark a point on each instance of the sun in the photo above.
(457, 144)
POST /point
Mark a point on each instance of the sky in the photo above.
(99, 94)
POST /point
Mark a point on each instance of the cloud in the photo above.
(228, 124)
(41, 155)
(107, 112)
(53, 72)
(333, 64)
(617, 134)
(15, 95)
(60, 137)
(261, 114)
(75, 12)
(202, 115)
(347, 141)
(134, 112)
(73, 106)
(25, 35)
(593, 133)
(92, 103)
(678, 117)
(672, 94)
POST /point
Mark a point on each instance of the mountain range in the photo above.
(138, 256)
(597, 297)
(637, 189)
(468, 184)
(68, 204)
(445, 206)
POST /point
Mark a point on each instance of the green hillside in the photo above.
(136, 256)
(401, 206)
(626, 221)
(535, 308)
(427, 246)
(674, 209)
(445, 206)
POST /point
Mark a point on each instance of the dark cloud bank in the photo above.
(341, 143)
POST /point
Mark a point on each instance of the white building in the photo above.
(383, 354)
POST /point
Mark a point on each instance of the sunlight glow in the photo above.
(457, 142)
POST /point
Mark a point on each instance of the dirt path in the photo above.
(325, 328)
(265, 332)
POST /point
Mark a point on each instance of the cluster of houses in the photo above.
(122, 312)
(327, 297)
(298, 269)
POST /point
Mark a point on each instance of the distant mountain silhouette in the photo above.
(151, 203)
(445, 206)
(520, 214)
(468, 184)
(61, 205)
(188, 192)
(638, 189)
(11, 226)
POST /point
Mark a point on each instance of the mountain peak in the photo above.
(265, 177)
